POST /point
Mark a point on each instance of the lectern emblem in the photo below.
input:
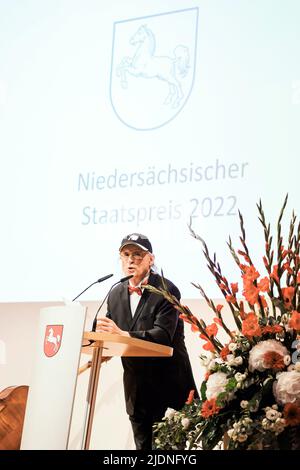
(52, 341)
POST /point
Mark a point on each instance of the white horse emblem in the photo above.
(153, 67)
(53, 338)
(146, 64)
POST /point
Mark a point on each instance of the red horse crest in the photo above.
(52, 341)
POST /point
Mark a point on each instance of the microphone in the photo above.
(98, 280)
(120, 281)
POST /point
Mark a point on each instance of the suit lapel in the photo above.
(125, 302)
(145, 296)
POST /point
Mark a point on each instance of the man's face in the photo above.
(136, 261)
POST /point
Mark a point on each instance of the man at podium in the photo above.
(151, 385)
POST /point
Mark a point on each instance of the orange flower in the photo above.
(210, 408)
(263, 301)
(287, 267)
(273, 360)
(224, 352)
(209, 346)
(230, 298)
(250, 292)
(234, 287)
(274, 274)
(190, 398)
(250, 273)
(250, 326)
(288, 294)
(184, 318)
(242, 311)
(222, 286)
(295, 321)
(218, 321)
(219, 307)
(212, 329)
(264, 284)
(271, 329)
(291, 413)
(298, 278)
(194, 327)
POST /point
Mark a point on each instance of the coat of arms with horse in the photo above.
(52, 341)
(153, 67)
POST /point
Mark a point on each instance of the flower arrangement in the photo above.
(250, 397)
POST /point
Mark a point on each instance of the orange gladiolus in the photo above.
(212, 329)
(208, 346)
(250, 326)
(264, 284)
(274, 274)
(271, 329)
(194, 327)
(288, 294)
(224, 352)
(190, 398)
(250, 292)
(295, 321)
(234, 287)
(230, 298)
(263, 301)
(251, 274)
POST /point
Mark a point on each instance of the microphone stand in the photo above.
(96, 282)
(121, 280)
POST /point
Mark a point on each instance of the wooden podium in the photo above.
(101, 345)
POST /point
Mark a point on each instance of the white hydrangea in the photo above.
(257, 353)
(170, 413)
(216, 384)
(207, 359)
(287, 388)
(185, 423)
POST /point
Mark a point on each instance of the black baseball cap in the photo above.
(137, 239)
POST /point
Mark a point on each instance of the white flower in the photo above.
(257, 353)
(244, 404)
(272, 415)
(185, 423)
(287, 388)
(232, 347)
(216, 384)
(297, 366)
(207, 358)
(239, 377)
(170, 413)
(287, 359)
(230, 359)
(238, 361)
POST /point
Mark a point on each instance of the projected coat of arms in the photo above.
(153, 67)
(52, 341)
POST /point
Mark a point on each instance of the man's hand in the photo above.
(106, 325)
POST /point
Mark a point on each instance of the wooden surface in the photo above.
(12, 411)
(118, 345)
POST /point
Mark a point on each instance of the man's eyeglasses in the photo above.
(136, 255)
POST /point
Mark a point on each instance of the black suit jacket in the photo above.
(153, 384)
